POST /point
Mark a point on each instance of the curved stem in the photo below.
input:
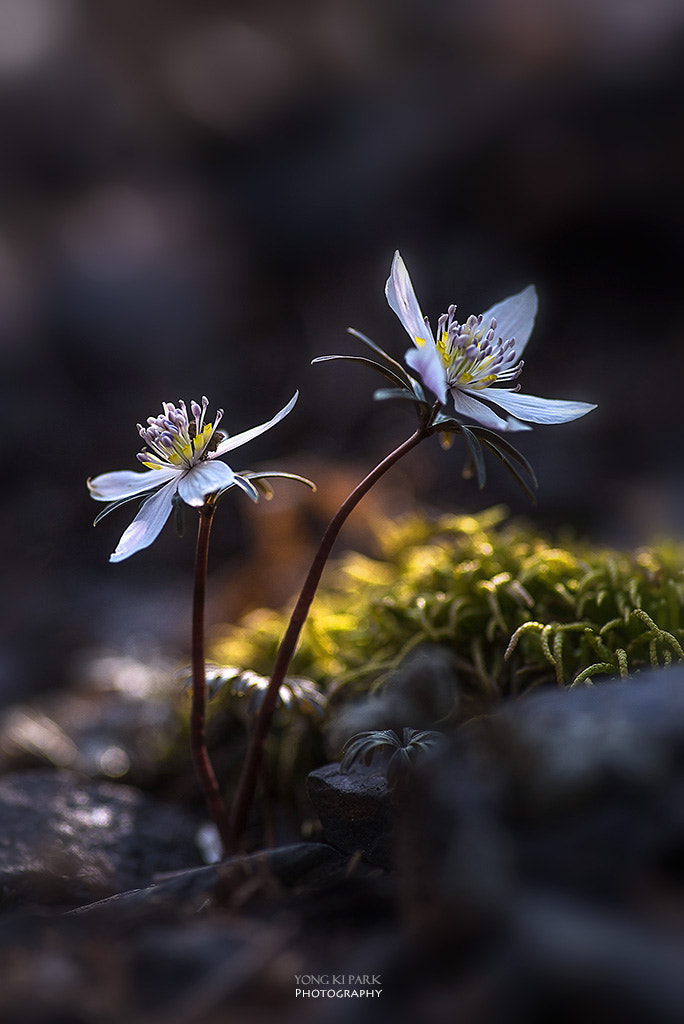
(198, 741)
(250, 769)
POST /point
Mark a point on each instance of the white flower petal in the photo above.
(537, 410)
(248, 435)
(402, 300)
(127, 483)
(203, 479)
(427, 363)
(147, 525)
(470, 407)
(513, 424)
(514, 317)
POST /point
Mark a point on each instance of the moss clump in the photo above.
(516, 610)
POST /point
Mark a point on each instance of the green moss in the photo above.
(516, 609)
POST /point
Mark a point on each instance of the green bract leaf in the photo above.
(114, 505)
(392, 377)
(505, 446)
(260, 480)
(397, 367)
(246, 485)
(418, 391)
(383, 393)
(509, 461)
(475, 452)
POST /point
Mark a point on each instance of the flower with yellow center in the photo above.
(474, 361)
(183, 462)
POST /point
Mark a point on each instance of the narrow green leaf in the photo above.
(246, 485)
(383, 393)
(510, 465)
(418, 390)
(475, 450)
(392, 377)
(506, 446)
(397, 367)
(117, 504)
(263, 475)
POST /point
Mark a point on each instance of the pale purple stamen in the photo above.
(173, 435)
(473, 355)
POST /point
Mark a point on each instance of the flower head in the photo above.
(475, 361)
(183, 462)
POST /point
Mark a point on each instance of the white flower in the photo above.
(471, 360)
(183, 460)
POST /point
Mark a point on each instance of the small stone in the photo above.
(354, 809)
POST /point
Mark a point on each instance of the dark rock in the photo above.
(562, 744)
(241, 880)
(68, 841)
(577, 792)
(354, 809)
(573, 962)
(537, 876)
(212, 944)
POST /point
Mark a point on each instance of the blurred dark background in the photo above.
(199, 198)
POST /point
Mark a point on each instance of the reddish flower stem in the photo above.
(198, 741)
(250, 769)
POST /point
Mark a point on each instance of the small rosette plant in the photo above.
(404, 750)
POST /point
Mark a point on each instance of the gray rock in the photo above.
(239, 881)
(354, 809)
(574, 791)
(561, 744)
(68, 841)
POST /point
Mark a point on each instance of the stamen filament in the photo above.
(472, 354)
(176, 440)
